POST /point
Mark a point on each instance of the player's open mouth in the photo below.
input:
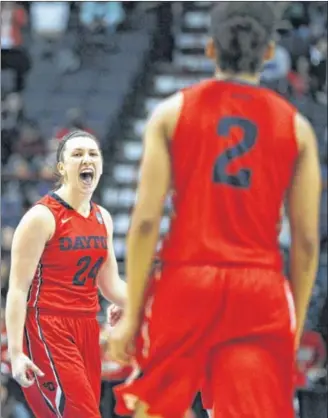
(86, 176)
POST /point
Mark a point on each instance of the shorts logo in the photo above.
(99, 218)
(49, 385)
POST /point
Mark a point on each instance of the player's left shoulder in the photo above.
(170, 105)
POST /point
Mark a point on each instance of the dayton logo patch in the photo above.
(99, 218)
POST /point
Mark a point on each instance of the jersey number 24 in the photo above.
(86, 271)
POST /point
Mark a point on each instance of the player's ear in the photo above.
(270, 51)
(210, 50)
(60, 168)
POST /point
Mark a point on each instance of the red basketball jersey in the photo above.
(66, 277)
(233, 155)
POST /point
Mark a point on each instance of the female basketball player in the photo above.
(218, 313)
(62, 252)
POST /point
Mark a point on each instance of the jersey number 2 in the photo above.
(242, 178)
(84, 263)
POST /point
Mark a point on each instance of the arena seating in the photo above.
(117, 92)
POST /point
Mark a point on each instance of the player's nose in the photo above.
(86, 158)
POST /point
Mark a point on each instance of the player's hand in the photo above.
(23, 370)
(114, 314)
(121, 341)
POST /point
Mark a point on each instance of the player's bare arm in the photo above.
(304, 207)
(30, 238)
(112, 287)
(154, 184)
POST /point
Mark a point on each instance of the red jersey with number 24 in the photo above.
(233, 155)
(66, 277)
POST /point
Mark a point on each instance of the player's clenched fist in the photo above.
(114, 314)
(23, 370)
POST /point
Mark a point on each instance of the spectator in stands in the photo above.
(100, 21)
(13, 54)
(318, 69)
(318, 18)
(11, 117)
(10, 406)
(100, 16)
(11, 111)
(300, 78)
(49, 22)
(279, 67)
(27, 159)
(297, 14)
(311, 358)
(47, 171)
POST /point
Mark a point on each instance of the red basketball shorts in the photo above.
(226, 332)
(66, 349)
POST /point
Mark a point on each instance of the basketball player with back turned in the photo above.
(219, 315)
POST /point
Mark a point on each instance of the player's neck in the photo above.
(243, 77)
(78, 201)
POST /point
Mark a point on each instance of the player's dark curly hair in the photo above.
(62, 146)
(241, 31)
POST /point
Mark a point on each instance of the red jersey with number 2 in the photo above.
(233, 154)
(66, 277)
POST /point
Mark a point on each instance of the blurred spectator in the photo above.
(47, 171)
(11, 407)
(318, 18)
(11, 111)
(279, 66)
(297, 13)
(13, 54)
(75, 119)
(311, 359)
(99, 24)
(49, 22)
(26, 161)
(11, 116)
(299, 79)
(318, 69)
(100, 16)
